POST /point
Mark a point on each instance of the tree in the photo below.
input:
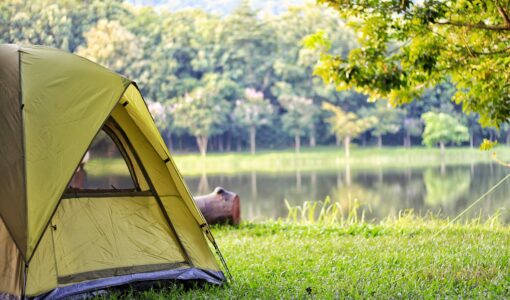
(441, 128)
(407, 46)
(202, 112)
(347, 125)
(162, 113)
(253, 111)
(113, 46)
(389, 119)
(412, 127)
(299, 117)
(247, 44)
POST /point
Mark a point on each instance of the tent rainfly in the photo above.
(58, 242)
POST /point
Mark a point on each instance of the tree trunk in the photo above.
(220, 142)
(298, 180)
(168, 136)
(441, 146)
(407, 140)
(238, 144)
(337, 140)
(471, 141)
(379, 141)
(220, 207)
(347, 146)
(313, 141)
(202, 144)
(253, 134)
(254, 190)
(229, 141)
(508, 137)
(297, 142)
(348, 179)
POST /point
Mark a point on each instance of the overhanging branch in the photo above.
(477, 26)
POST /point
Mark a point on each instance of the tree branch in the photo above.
(478, 26)
(504, 15)
(491, 52)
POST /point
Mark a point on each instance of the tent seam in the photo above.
(24, 168)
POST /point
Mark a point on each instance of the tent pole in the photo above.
(24, 286)
(222, 259)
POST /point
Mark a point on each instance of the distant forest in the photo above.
(220, 73)
(222, 7)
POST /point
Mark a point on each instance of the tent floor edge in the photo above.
(103, 286)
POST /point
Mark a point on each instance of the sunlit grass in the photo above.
(317, 159)
(404, 257)
(317, 252)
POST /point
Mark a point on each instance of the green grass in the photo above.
(406, 258)
(317, 159)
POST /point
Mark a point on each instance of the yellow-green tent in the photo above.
(55, 243)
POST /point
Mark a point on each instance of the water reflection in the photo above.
(442, 190)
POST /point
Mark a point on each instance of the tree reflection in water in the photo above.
(381, 192)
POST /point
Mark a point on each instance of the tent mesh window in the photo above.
(105, 167)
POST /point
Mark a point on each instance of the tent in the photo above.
(57, 242)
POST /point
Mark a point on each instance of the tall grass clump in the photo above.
(327, 212)
(353, 212)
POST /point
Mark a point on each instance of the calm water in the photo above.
(382, 192)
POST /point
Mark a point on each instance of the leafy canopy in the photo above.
(406, 46)
(347, 124)
(443, 128)
(300, 114)
(203, 111)
(253, 110)
(389, 119)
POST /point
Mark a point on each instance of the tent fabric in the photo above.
(12, 177)
(10, 264)
(55, 241)
(78, 92)
(94, 285)
(144, 121)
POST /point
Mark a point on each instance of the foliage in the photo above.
(487, 145)
(203, 112)
(407, 46)
(444, 190)
(442, 128)
(347, 125)
(172, 53)
(389, 119)
(300, 116)
(110, 44)
(253, 111)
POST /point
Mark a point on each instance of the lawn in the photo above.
(318, 159)
(408, 258)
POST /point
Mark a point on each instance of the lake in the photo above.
(444, 191)
(379, 192)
